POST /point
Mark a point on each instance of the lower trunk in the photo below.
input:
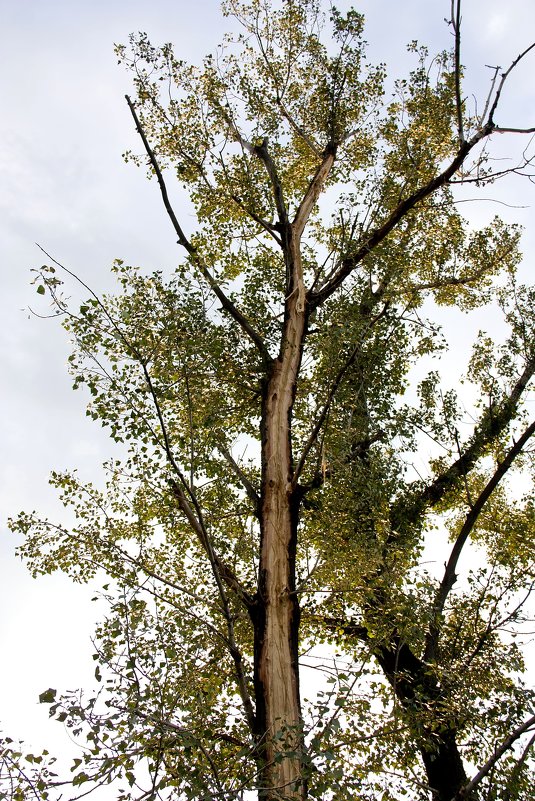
(444, 768)
(279, 720)
(277, 691)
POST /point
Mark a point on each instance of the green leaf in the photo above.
(48, 696)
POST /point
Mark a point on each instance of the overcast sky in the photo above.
(63, 184)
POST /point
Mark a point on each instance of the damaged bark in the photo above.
(277, 624)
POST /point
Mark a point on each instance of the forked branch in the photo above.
(488, 127)
(505, 75)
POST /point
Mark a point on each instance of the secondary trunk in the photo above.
(277, 625)
(417, 689)
(444, 767)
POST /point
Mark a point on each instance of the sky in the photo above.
(63, 185)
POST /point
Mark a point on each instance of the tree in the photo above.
(266, 513)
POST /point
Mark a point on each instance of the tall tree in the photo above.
(267, 516)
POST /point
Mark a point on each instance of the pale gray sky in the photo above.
(63, 184)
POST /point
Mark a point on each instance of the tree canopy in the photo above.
(272, 626)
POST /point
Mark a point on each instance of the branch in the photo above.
(456, 24)
(409, 676)
(379, 234)
(491, 90)
(134, 562)
(359, 450)
(167, 725)
(252, 494)
(406, 511)
(261, 151)
(465, 791)
(344, 626)
(500, 129)
(225, 301)
(130, 349)
(449, 574)
(332, 392)
(219, 567)
(441, 284)
(257, 219)
(490, 177)
(263, 154)
(314, 189)
(314, 147)
(221, 574)
(505, 75)
(518, 767)
(349, 263)
(279, 96)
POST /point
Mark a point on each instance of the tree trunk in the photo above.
(416, 687)
(444, 768)
(277, 626)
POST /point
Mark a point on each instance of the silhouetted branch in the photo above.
(465, 791)
(450, 576)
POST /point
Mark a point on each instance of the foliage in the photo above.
(327, 238)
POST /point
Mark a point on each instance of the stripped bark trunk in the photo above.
(277, 625)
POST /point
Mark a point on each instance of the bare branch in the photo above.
(500, 129)
(505, 75)
(456, 25)
(491, 90)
